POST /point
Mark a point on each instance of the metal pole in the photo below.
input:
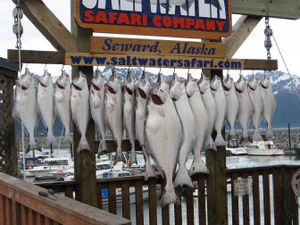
(289, 133)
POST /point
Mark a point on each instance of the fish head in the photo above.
(191, 86)
(143, 86)
(215, 83)
(129, 85)
(178, 88)
(26, 80)
(80, 83)
(253, 82)
(46, 79)
(204, 84)
(158, 95)
(265, 82)
(228, 82)
(114, 83)
(241, 83)
(97, 82)
(63, 81)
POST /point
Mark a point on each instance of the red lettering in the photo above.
(145, 20)
(178, 22)
(210, 25)
(101, 18)
(157, 21)
(167, 22)
(220, 25)
(89, 16)
(189, 23)
(123, 19)
(136, 19)
(200, 25)
(113, 17)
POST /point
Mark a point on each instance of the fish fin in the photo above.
(270, 133)
(220, 140)
(198, 166)
(83, 145)
(183, 178)
(149, 171)
(257, 136)
(169, 195)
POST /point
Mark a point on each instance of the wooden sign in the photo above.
(176, 18)
(133, 47)
(87, 59)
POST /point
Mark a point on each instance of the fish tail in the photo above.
(210, 144)
(169, 195)
(33, 145)
(270, 133)
(220, 140)
(83, 145)
(68, 139)
(257, 136)
(183, 178)
(50, 138)
(119, 157)
(149, 171)
(233, 133)
(198, 166)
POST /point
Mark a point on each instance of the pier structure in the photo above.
(23, 203)
(8, 150)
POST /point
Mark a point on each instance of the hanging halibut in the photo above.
(129, 112)
(113, 112)
(163, 136)
(80, 109)
(257, 101)
(46, 104)
(232, 105)
(179, 96)
(62, 103)
(210, 107)
(269, 103)
(220, 99)
(246, 106)
(25, 106)
(201, 123)
(142, 94)
(97, 96)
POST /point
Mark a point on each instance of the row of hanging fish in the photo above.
(170, 119)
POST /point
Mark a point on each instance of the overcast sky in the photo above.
(286, 32)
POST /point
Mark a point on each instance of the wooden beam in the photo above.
(50, 57)
(241, 30)
(48, 24)
(28, 56)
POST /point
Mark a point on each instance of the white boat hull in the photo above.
(268, 152)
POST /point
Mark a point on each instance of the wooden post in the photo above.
(84, 162)
(216, 182)
(8, 150)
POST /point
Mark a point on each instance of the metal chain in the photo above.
(268, 34)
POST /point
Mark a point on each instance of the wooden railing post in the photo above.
(8, 150)
(216, 187)
(84, 162)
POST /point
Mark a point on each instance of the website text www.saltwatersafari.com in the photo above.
(157, 61)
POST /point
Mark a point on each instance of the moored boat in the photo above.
(263, 148)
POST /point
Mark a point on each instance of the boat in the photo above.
(233, 148)
(52, 168)
(263, 148)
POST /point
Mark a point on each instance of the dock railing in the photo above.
(24, 203)
(269, 198)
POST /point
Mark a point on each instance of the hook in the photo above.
(45, 68)
(63, 68)
(97, 68)
(174, 70)
(227, 72)
(188, 70)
